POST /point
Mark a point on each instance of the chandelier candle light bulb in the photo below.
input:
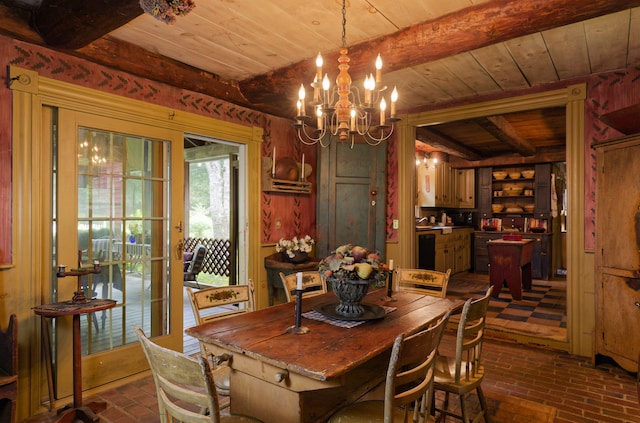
(383, 108)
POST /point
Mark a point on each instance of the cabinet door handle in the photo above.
(637, 304)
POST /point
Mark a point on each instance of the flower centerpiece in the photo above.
(295, 250)
(351, 269)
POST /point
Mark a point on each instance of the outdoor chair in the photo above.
(184, 386)
(461, 374)
(409, 382)
(421, 281)
(193, 263)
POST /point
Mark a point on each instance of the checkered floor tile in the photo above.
(545, 304)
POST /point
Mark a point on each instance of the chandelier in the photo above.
(339, 111)
(427, 161)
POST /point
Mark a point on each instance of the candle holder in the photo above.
(79, 296)
(297, 329)
(389, 296)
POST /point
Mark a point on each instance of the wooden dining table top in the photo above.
(327, 351)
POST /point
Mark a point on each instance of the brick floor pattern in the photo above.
(580, 392)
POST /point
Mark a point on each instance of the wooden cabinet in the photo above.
(453, 250)
(444, 186)
(617, 257)
(541, 267)
(523, 196)
(465, 192)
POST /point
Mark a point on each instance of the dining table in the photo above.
(283, 375)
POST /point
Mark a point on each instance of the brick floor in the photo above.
(579, 392)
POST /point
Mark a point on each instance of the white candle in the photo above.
(383, 108)
(390, 264)
(273, 164)
(299, 281)
(302, 175)
(394, 99)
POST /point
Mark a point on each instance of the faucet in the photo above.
(422, 220)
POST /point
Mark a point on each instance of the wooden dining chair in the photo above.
(409, 382)
(215, 303)
(312, 283)
(462, 374)
(422, 281)
(185, 386)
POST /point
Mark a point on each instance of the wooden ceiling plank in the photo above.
(633, 55)
(500, 128)
(568, 50)
(442, 77)
(532, 57)
(469, 70)
(607, 39)
(498, 63)
(465, 30)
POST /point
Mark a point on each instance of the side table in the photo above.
(274, 265)
(510, 262)
(70, 308)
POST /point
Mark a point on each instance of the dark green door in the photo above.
(351, 197)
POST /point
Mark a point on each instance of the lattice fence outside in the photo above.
(217, 261)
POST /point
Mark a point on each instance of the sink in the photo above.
(423, 227)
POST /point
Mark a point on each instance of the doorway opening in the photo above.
(211, 212)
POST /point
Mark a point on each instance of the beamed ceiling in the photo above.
(437, 53)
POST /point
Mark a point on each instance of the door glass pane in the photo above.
(123, 223)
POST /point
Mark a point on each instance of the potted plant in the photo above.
(351, 269)
(295, 250)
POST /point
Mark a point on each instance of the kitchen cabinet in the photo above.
(617, 261)
(444, 186)
(465, 184)
(541, 267)
(522, 196)
(453, 250)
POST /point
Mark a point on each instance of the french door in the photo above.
(117, 191)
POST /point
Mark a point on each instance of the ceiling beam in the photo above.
(465, 30)
(442, 142)
(72, 24)
(549, 155)
(500, 128)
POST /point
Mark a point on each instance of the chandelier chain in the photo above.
(344, 24)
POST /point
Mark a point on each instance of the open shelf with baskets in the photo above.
(513, 190)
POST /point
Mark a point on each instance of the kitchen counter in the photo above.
(440, 227)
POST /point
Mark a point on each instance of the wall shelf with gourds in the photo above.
(285, 176)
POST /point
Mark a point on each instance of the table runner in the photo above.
(314, 315)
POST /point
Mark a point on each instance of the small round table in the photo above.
(75, 309)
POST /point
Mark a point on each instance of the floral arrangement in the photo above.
(351, 262)
(296, 245)
(167, 10)
(134, 229)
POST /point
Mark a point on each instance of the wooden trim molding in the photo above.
(580, 275)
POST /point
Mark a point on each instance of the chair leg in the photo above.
(483, 404)
(463, 409)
